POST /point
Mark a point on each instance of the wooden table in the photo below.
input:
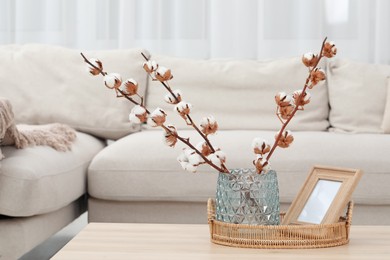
(168, 241)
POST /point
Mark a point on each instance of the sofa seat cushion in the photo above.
(140, 167)
(39, 179)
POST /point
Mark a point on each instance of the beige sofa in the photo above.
(42, 190)
(136, 178)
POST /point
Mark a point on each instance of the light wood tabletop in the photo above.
(176, 241)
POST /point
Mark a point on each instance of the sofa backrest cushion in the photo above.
(239, 94)
(357, 95)
(386, 116)
(47, 84)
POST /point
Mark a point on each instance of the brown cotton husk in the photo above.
(170, 136)
(142, 117)
(316, 76)
(265, 148)
(310, 62)
(282, 100)
(259, 164)
(98, 67)
(131, 87)
(329, 50)
(159, 120)
(285, 140)
(164, 77)
(205, 149)
(286, 111)
(300, 102)
(150, 66)
(209, 127)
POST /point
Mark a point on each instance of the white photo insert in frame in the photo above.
(319, 201)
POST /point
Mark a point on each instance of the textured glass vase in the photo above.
(245, 197)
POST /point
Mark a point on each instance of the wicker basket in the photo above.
(281, 236)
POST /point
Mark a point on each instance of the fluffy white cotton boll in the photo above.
(150, 66)
(113, 80)
(221, 155)
(138, 110)
(163, 74)
(162, 70)
(182, 158)
(309, 55)
(214, 159)
(193, 157)
(199, 146)
(258, 142)
(260, 146)
(134, 119)
(208, 120)
(158, 112)
(191, 168)
(188, 160)
(183, 108)
(157, 117)
(137, 115)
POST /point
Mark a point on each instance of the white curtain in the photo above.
(248, 29)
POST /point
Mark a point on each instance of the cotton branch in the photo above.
(301, 96)
(182, 139)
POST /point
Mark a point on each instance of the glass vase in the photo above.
(246, 197)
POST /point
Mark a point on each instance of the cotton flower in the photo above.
(260, 146)
(112, 80)
(96, 68)
(163, 74)
(286, 111)
(282, 99)
(217, 158)
(221, 155)
(285, 139)
(309, 59)
(209, 125)
(150, 66)
(183, 108)
(204, 148)
(261, 164)
(169, 98)
(329, 49)
(301, 102)
(189, 160)
(316, 76)
(157, 117)
(170, 136)
(129, 87)
(213, 158)
(138, 115)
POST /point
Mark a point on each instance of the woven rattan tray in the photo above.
(281, 236)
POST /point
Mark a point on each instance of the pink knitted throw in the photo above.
(57, 136)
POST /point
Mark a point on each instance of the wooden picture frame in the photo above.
(323, 196)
